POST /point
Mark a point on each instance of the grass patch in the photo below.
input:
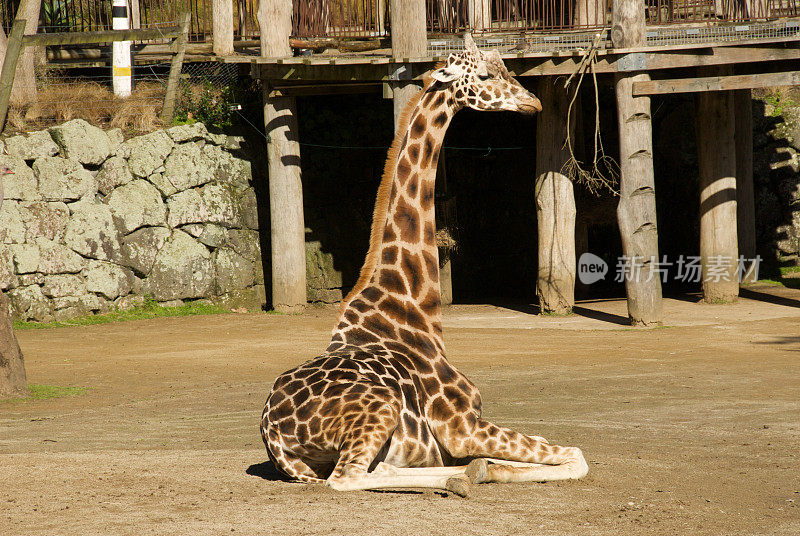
(767, 282)
(47, 392)
(788, 282)
(149, 310)
(779, 100)
(789, 270)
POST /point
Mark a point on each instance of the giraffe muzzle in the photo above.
(529, 104)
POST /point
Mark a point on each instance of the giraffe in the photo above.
(382, 407)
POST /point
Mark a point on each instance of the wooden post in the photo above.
(24, 91)
(745, 197)
(380, 16)
(10, 67)
(13, 381)
(716, 144)
(222, 27)
(409, 40)
(636, 212)
(445, 219)
(175, 69)
(283, 156)
(136, 20)
(480, 14)
(555, 202)
(589, 13)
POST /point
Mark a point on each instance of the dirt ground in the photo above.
(689, 429)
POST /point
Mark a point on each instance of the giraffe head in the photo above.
(480, 80)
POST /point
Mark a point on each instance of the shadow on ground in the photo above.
(267, 471)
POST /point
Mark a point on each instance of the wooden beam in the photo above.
(716, 83)
(107, 36)
(367, 68)
(305, 90)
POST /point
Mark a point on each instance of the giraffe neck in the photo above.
(397, 295)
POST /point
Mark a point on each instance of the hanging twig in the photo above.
(604, 172)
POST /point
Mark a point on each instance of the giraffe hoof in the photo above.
(459, 484)
(477, 470)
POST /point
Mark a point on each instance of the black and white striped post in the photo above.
(121, 51)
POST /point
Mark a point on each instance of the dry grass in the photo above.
(59, 102)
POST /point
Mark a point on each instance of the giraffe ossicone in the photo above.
(382, 407)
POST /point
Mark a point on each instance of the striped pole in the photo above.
(121, 51)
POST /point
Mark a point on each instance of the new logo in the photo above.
(591, 268)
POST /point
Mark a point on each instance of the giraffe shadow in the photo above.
(267, 471)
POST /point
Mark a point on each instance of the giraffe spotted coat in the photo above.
(383, 397)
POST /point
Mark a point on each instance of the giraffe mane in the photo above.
(384, 191)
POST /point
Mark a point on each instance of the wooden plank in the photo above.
(175, 69)
(661, 60)
(305, 90)
(701, 48)
(13, 50)
(705, 45)
(107, 36)
(375, 68)
(716, 83)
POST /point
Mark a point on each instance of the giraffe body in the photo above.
(383, 400)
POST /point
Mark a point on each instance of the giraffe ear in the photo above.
(449, 72)
(445, 74)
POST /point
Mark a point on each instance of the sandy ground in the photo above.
(688, 429)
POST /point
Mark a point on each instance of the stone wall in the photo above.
(776, 169)
(91, 221)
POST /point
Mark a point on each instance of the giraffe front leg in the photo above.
(486, 470)
(482, 439)
(364, 434)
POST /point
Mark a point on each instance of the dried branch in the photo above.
(604, 170)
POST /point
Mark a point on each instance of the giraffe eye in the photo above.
(484, 76)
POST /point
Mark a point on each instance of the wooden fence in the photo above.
(95, 15)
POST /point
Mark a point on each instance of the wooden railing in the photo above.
(370, 18)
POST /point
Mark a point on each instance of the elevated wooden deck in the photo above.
(336, 72)
(720, 57)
